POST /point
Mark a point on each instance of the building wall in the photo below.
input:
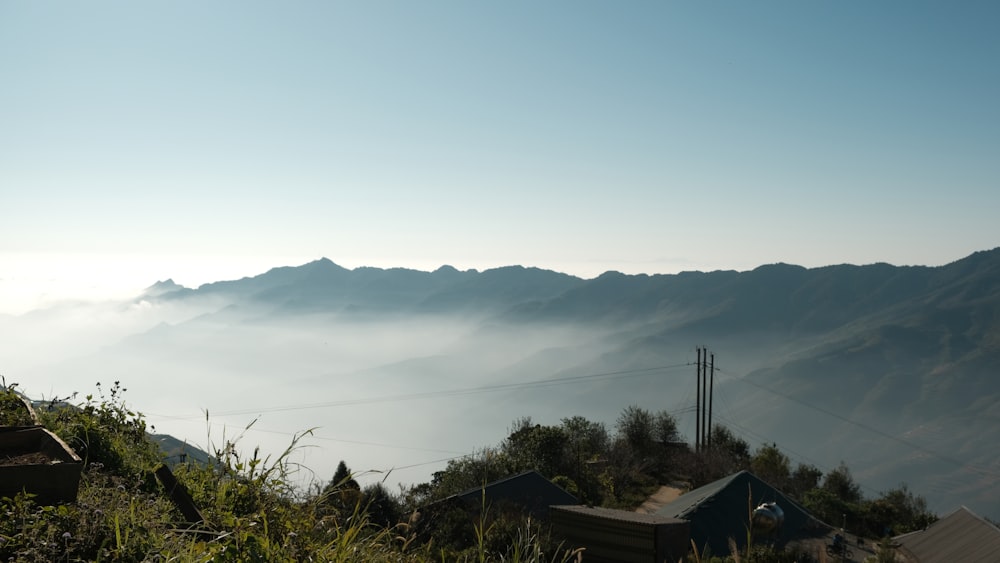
(621, 538)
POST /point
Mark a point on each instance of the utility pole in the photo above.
(711, 395)
(705, 391)
(704, 398)
(697, 406)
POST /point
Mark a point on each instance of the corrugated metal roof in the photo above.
(721, 510)
(529, 489)
(960, 536)
(620, 515)
(617, 536)
(684, 504)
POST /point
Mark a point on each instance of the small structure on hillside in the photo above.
(617, 536)
(453, 519)
(960, 536)
(723, 510)
(38, 462)
(529, 492)
(32, 459)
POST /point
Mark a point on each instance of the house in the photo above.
(529, 492)
(617, 536)
(455, 517)
(960, 536)
(721, 510)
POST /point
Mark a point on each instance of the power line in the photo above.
(428, 462)
(575, 379)
(943, 457)
(448, 392)
(254, 428)
(746, 432)
(356, 442)
(679, 409)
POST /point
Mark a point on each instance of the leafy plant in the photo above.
(105, 432)
(13, 409)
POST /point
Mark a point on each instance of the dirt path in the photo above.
(663, 496)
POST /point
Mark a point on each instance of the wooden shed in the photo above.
(618, 536)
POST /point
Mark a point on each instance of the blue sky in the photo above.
(208, 140)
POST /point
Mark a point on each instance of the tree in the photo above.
(841, 483)
(772, 466)
(898, 511)
(804, 479)
(837, 498)
(727, 455)
(635, 427)
(622, 475)
(665, 428)
(542, 448)
(734, 449)
(343, 477)
(462, 474)
(382, 507)
(342, 493)
(829, 507)
(585, 440)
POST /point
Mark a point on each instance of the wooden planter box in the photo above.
(36, 461)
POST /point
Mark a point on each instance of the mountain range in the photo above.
(890, 369)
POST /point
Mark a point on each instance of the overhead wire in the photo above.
(923, 449)
(745, 433)
(356, 442)
(543, 383)
(621, 374)
(549, 382)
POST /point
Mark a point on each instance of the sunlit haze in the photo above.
(207, 141)
(218, 140)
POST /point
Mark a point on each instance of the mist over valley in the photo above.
(890, 369)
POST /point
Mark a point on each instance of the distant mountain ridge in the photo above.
(323, 285)
(775, 296)
(895, 367)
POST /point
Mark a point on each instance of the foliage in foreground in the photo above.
(251, 511)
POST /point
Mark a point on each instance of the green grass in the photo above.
(252, 511)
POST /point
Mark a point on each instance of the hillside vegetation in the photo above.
(251, 512)
(890, 367)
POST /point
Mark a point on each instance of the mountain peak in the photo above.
(162, 287)
(324, 265)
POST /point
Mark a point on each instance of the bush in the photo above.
(13, 410)
(106, 433)
(251, 510)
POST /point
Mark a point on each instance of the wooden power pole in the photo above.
(705, 392)
(697, 406)
(711, 395)
(704, 397)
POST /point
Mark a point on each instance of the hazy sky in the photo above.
(211, 140)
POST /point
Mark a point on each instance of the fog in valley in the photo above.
(400, 394)
(396, 371)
